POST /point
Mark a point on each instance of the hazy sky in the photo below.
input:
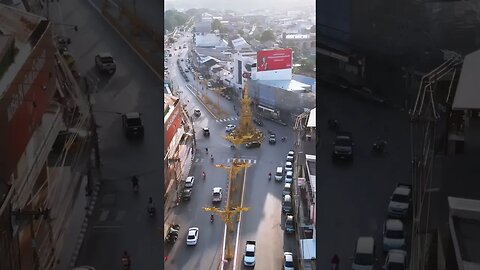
(240, 5)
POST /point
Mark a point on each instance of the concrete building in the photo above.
(305, 42)
(240, 44)
(45, 140)
(179, 141)
(209, 40)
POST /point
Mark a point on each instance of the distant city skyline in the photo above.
(244, 5)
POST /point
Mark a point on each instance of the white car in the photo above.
(290, 156)
(393, 235)
(230, 128)
(288, 261)
(217, 194)
(189, 181)
(288, 166)
(289, 177)
(192, 236)
(396, 260)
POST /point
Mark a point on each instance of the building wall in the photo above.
(173, 122)
(25, 102)
(286, 102)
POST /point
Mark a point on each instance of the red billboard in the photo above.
(274, 59)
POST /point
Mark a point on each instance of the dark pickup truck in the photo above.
(132, 124)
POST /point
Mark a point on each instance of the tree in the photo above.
(307, 65)
(216, 25)
(173, 18)
(267, 35)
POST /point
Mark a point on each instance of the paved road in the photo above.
(352, 199)
(264, 198)
(120, 221)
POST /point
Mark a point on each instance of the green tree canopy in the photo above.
(267, 35)
(173, 18)
(216, 25)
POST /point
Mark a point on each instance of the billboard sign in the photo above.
(274, 59)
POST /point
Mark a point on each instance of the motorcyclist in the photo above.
(126, 260)
(211, 158)
(134, 182)
(151, 205)
(335, 261)
(269, 176)
(206, 150)
(204, 175)
(211, 217)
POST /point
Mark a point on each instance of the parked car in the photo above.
(230, 128)
(289, 177)
(272, 139)
(200, 77)
(192, 236)
(186, 194)
(217, 194)
(288, 166)
(189, 181)
(400, 201)
(206, 132)
(290, 156)
(396, 260)
(393, 235)
(252, 144)
(132, 124)
(289, 224)
(105, 63)
(287, 189)
(288, 261)
(364, 256)
(197, 112)
(343, 146)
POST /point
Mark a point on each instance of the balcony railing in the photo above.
(45, 136)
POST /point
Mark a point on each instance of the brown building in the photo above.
(32, 114)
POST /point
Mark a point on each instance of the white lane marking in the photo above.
(239, 222)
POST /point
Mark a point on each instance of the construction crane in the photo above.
(246, 131)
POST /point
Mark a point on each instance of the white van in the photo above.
(287, 204)
(364, 257)
(279, 174)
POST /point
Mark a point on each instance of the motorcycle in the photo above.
(126, 263)
(378, 147)
(211, 218)
(151, 210)
(211, 159)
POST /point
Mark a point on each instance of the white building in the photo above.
(210, 41)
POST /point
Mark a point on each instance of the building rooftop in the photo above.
(467, 95)
(240, 43)
(465, 231)
(289, 85)
(210, 41)
(215, 53)
(22, 26)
